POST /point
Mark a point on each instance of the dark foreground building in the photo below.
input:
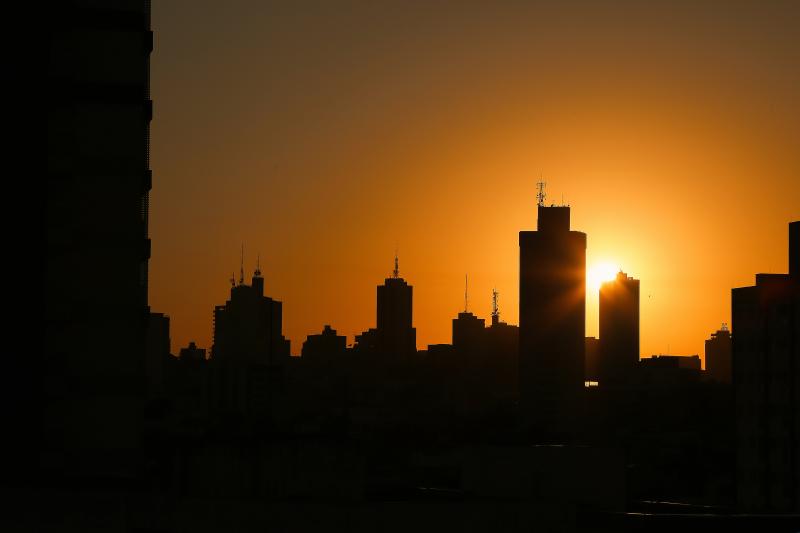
(97, 100)
(552, 304)
(766, 378)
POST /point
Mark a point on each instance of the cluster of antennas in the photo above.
(541, 196)
(256, 273)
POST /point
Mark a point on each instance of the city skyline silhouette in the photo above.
(622, 355)
(428, 136)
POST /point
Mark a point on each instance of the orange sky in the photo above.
(325, 136)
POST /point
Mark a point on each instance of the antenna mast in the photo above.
(396, 271)
(241, 268)
(495, 309)
(466, 286)
(540, 196)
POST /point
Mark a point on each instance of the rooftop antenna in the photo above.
(233, 279)
(396, 271)
(241, 268)
(540, 196)
(466, 286)
(257, 273)
(495, 309)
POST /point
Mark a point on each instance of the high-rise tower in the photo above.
(619, 330)
(248, 328)
(395, 333)
(97, 99)
(249, 353)
(552, 302)
(765, 337)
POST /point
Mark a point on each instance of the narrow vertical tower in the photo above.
(495, 308)
(466, 293)
(396, 335)
(552, 309)
(619, 330)
(794, 249)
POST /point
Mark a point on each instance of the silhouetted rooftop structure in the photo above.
(192, 354)
(687, 362)
(718, 355)
(324, 346)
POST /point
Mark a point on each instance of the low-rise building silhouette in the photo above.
(718, 355)
(469, 334)
(668, 371)
(192, 354)
(325, 346)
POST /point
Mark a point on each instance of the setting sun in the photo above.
(599, 273)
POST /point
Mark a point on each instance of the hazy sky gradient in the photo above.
(326, 134)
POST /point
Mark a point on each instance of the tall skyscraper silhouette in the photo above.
(97, 93)
(619, 330)
(552, 302)
(766, 378)
(395, 333)
(249, 351)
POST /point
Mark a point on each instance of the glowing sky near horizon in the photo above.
(326, 135)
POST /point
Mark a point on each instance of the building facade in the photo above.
(766, 382)
(395, 334)
(619, 330)
(249, 352)
(96, 201)
(552, 303)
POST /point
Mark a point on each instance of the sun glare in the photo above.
(599, 273)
